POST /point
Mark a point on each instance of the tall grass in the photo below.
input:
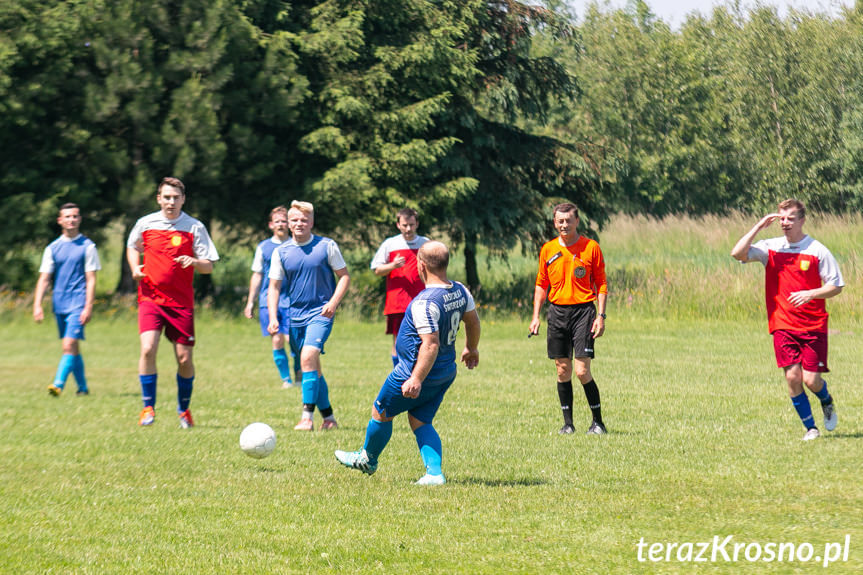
(675, 267)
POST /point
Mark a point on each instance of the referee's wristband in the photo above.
(602, 315)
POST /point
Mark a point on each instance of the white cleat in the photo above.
(429, 479)
(811, 434)
(830, 417)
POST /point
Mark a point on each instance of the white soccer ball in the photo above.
(258, 440)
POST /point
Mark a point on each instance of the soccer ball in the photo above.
(258, 440)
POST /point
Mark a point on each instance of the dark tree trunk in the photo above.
(470, 268)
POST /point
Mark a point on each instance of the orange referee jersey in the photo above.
(574, 274)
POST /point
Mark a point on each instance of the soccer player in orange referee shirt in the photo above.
(572, 277)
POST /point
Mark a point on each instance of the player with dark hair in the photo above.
(174, 245)
(396, 259)
(72, 261)
(572, 276)
(426, 367)
(259, 287)
(307, 264)
(800, 273)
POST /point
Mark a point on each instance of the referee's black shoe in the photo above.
(596, 428)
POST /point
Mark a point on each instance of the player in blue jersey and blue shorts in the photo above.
(259, 287)
(426, 368)
(72, 261)
(316, 279)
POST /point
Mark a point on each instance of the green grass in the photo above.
(703, 442)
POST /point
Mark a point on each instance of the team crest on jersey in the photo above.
(579, 272)
(176, 241)
(804, 265)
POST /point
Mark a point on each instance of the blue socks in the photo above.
(184, 392)
(282, 364)
(148, 389)
(378, 434)
(78, 372)
(430, 448)
(323, 395)
(804, 410)
(310, 387)
(824, 395)
(64, 368)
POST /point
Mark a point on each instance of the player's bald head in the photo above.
(434, 255)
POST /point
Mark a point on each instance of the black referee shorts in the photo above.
(569, 330)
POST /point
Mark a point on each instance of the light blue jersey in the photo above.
(437, 309)
(261, 265)
(68, 261)
(307, 272)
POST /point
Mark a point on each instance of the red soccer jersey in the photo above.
(161, 240)
(404, 283)
(790, 268)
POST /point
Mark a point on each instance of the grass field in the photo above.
(703, 442)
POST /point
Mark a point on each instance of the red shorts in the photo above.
(808, 348)
(178, 322)
(394, 322)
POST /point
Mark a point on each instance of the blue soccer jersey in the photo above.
(261, 264)
(437, 309)
(68, 261)
(307, 271)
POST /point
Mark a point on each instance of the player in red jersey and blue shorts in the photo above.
(174, 246)
(396, 259)
(800, 273)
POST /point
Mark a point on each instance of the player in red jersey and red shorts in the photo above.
(396, 259)
(800, 274)
(174, 246)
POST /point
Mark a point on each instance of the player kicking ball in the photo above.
(426, 368)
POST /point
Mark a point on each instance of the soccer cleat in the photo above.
(305, 424)
(82, 392)
(329, 424)
(429, 479)
(566, 429)
(55, 390)
(596, 428)
(830, 417)
(147, 417)
(357, 460)
(287, 383)
(812, 433)
(186, 420)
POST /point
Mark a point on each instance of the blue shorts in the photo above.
(314, 334)
(284, 320)
(69, 325)
(390, 401)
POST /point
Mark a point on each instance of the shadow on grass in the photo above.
(834, 435)
(499, 482)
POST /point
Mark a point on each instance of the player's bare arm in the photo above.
(273, 305)
(426, 355)
(133, 257)
(740, 252)
(470, 354)
(201, 266)
(254, 288)
(41, 287)
(87, 312)
(598, 327)
(539, 295)
(826, 291)
(329, 309)
(385, 269)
